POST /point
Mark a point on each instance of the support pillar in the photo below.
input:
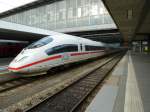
(141, 46)
(149, 44)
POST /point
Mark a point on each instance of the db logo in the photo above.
(65, 56)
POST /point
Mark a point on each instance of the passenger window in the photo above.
(92, 48)
(62, 49)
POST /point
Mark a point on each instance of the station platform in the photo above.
(127, 88)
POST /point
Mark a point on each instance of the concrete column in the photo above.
(126, 44)
(141, 46)
(149, 44)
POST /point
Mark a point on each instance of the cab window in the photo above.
(40, 43)
(93, 48)
(62, 49)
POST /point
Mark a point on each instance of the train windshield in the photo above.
(40, 43)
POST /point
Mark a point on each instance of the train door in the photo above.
(83, 47)
(80, 50)
(69, 54)
(83, 56)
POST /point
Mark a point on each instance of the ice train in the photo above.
(53, 51)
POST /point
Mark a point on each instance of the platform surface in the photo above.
(105, 99)
(141, 68)
(127, 89)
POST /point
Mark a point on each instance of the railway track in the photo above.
(14, 83)
(70, 98)
(20, 104)
(20, 81)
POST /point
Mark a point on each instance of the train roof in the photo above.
(83, 40)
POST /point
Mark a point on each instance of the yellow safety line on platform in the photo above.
(133, 101)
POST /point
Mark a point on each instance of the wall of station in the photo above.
(64, 14)
(11, 49)
(140, 46)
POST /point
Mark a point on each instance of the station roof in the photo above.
(107, 36)
(27, 6)
(6, 5)
(13, 31)
(131, 16)
(37, 3)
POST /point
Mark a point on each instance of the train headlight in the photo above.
(21, 59)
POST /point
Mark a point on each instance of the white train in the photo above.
(55, 50)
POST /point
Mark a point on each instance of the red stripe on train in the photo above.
(82, 53)
(52, 58)
(37, 62)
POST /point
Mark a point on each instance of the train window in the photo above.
(40, 43)
(62, 49)
(92, 48)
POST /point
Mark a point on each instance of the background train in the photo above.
(56, 50)
(10, 48)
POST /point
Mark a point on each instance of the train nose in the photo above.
(17, 69)
(13, 67)
(16, 65)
